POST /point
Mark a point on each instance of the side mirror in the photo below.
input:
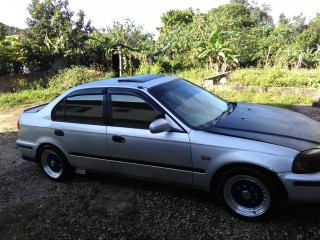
(159, 125)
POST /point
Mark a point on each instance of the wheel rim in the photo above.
(51, 164)
(246, 195)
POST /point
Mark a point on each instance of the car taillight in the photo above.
(18, 124)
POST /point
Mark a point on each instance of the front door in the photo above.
(135, 151)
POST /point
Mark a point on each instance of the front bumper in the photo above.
(302, 187)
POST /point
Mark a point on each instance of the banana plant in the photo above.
(216, 52)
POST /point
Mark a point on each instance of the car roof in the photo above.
(144, 81)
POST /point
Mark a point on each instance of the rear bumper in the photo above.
(302, 187)
(28, 150)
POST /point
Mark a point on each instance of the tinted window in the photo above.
(81, 109)
(131, 111)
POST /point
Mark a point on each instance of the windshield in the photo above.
(190, 103)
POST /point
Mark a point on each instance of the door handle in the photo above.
(118, 139)
(58, 133)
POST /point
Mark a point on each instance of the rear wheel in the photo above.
(248, 193)
(54, 163)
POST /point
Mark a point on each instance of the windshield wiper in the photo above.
(217, 119)
(231, 107)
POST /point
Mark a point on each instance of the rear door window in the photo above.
(80, 109)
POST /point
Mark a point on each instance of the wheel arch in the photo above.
(269, 173)
(53, 145)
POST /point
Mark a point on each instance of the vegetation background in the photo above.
(239, 37)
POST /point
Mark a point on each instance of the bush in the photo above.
(146, 68)
(74, 76)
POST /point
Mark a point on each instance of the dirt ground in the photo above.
(8, 121)
(106, 207)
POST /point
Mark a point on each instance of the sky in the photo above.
(147, 13)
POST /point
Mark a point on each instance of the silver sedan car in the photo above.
(163, 128)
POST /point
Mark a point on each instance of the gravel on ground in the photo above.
(107, 207)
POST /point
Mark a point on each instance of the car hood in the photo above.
(270, 124)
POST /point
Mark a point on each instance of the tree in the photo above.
(283, 19)
(176, 18)
(261, 14)
(216, 52)
(245, 2)
(131, 43)
(97, 51)
(11, 55)
(309, 39)
(2, 31)
(275, 46)
(233, 16)
(52, 33)
(299, 22)
(174, 43)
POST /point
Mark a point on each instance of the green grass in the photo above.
(276, 99)
(32, 97)
(275, 77)
(268, 77)
(196, 75)
(37, 94)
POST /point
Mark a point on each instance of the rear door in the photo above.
(134, 150)
(79, 128)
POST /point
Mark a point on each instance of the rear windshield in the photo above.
(35, 109)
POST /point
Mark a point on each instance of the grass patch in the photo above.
(32, 97)
(276, 99)
(268, 77)
(275, 77)
(196, 75)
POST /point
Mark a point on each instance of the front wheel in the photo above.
(54, 164)
(247, 193)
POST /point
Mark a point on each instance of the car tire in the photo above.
(54, 164)
(248, 193)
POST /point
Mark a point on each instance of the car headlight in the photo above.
(307, 162)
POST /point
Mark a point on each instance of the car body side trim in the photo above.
(24, 146)
(306, 184)
(190, 169)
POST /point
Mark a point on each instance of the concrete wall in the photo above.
(209, 85)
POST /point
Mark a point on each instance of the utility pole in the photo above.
(120, 61)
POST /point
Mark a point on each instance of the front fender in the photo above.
(225, 150)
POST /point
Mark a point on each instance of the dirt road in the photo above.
(104, 207)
